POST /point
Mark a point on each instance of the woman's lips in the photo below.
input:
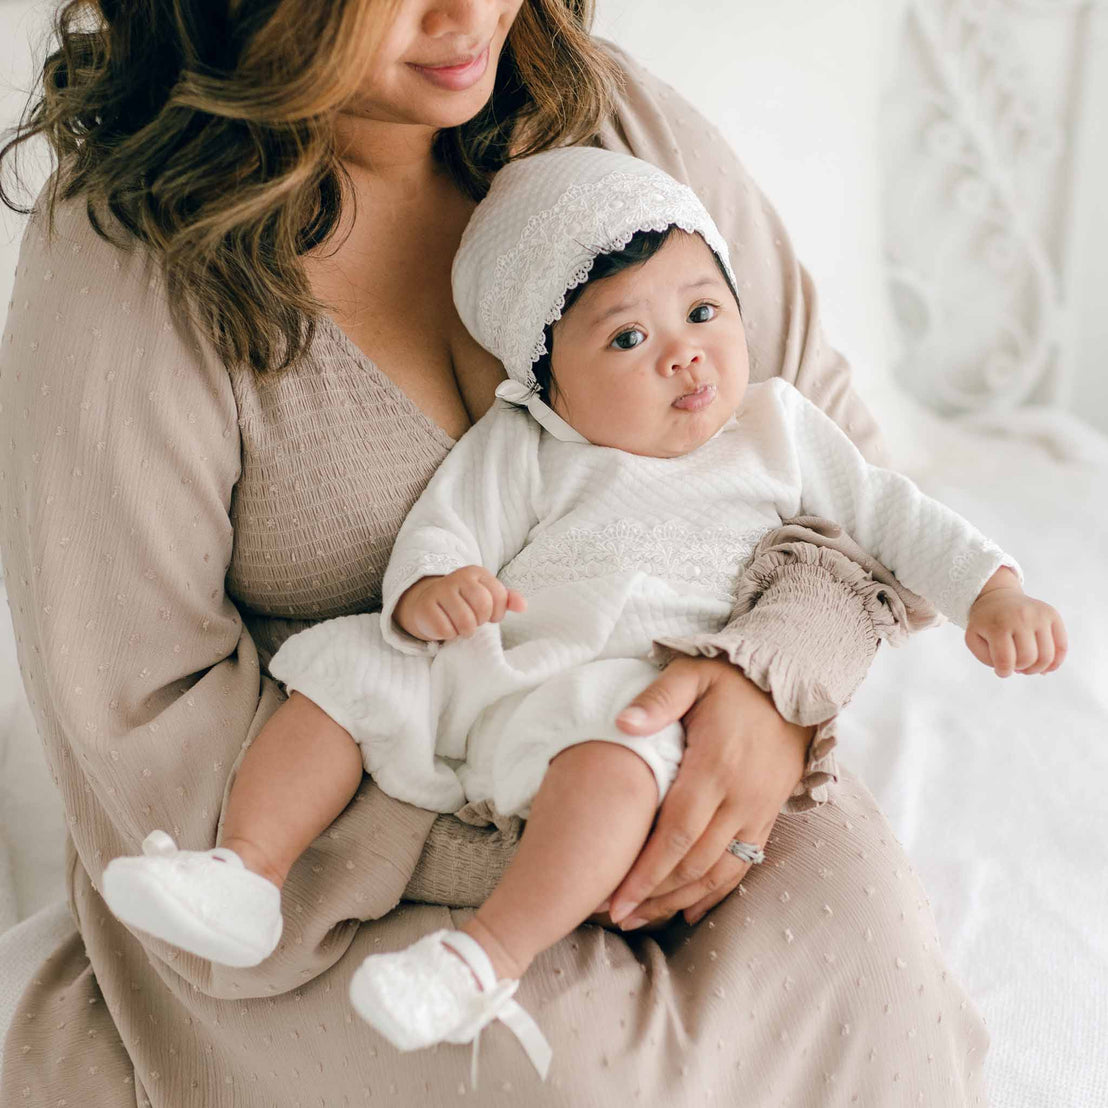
(457, 78)
(697, 400)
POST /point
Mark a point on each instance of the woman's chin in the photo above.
(440, 108)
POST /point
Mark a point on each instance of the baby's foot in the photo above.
(429, 994)
(206, 902)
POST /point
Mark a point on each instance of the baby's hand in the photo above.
(1014, 632)
(438, 609)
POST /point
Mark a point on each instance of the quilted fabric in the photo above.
(615, 554)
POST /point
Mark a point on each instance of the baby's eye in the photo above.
(634, 335)
(695, 317)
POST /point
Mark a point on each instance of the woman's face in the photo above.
(437, 63)
(635, 347)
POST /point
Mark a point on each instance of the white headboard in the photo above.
(995, 230)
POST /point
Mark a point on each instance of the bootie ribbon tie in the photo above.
(498, 1004)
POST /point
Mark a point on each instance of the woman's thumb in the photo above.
(663, 702)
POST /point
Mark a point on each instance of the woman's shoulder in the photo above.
(653, 121)
(64, 251)
(83, 298)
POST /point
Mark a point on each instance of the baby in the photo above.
(620, 485)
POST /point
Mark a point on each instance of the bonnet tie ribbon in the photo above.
(516, 393)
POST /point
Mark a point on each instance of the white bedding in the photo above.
(996, 788)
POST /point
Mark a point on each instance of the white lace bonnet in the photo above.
(536, 235)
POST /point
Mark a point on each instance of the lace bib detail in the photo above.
(710, 558)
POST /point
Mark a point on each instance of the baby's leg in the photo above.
(588, 823)
(298, 775)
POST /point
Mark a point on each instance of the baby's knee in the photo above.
(625, 770)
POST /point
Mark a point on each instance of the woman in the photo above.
(184, 488)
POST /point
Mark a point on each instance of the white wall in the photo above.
(1088, 271)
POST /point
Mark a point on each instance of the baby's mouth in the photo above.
(694, 401)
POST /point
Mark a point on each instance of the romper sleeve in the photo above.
(781, 312)
(120, 454)
(477, 509)
(933, 550)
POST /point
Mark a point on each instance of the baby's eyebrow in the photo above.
(626, 305)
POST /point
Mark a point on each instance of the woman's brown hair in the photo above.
(204, 130)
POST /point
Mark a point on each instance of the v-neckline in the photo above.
(363, 359)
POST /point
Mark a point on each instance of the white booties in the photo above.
(203, 901)
(425, 995)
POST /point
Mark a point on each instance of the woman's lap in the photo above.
(818, 982)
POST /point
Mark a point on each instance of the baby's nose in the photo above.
(682, 360)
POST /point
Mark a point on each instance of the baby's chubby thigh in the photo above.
(513, 743)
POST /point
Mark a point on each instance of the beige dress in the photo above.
(165, 523)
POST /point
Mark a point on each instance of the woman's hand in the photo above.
(742, 761)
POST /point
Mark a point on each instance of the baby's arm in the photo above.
(932, 549)
(473, 517)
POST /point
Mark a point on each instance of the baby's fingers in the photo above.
(1003, 651)
(979, 647)
(1044, 645)
(1027, 649)
(481, 596)
(1061, 644)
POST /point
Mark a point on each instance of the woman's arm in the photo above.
(121, 450)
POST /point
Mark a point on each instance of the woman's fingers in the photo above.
(685, 813)
(662, 702)
(712, 883)
(694, 900)
(705, 853)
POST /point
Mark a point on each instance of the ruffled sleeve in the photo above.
(810, 611)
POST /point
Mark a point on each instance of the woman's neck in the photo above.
(381, 155)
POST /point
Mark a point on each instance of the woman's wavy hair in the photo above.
(205, 130)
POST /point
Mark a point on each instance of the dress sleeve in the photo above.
(120, 454)
(477, 509)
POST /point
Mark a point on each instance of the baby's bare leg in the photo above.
(588, 823)
(298, 775)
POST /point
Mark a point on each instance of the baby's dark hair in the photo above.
(642, 247)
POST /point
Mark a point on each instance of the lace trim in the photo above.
(558, 246)
(712, 559)
(421, 565)
(968, 568)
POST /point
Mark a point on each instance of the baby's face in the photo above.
(635, 344)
